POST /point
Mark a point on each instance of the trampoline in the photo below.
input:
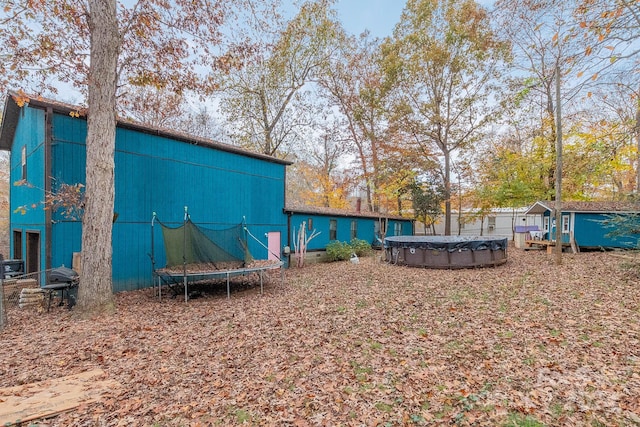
(446, 251)
(195, 254)
(195, 274)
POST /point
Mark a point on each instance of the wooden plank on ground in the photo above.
(44, 399)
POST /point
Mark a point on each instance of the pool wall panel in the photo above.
(446, 251)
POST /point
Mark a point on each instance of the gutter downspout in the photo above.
(48, 225)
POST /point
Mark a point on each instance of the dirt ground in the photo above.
(527, 343)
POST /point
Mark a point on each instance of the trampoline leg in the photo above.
(228, 289)
(261, 272)
(186, 291)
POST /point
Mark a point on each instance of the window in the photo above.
(545, 225)
(24, 162)
(333, 229)
(397, 229)
(565, 224)
(354, 229)
(491, 222)
(310, 224)
(17, 244)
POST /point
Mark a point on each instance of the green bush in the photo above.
(338, 251)
(341, 251)
(360, 247)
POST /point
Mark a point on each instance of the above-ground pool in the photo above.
(446, 251)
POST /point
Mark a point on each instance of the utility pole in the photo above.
(558, 204)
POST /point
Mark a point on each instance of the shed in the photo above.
(522, 233)
(156, 170)
(344, 225)
(587, 222)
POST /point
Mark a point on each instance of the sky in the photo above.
(377, 16)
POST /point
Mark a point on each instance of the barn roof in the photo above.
(14, 102)
(587, 207)
(317, 210)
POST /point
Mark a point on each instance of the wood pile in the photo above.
(23, 293)
(30, 295)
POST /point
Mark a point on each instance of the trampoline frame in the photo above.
(165, 275)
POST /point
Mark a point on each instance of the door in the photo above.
(33, 252)
(273, 239)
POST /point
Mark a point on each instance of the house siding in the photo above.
(586, 223)
(153, 173)
(591, 232)
(30, 132)
(365, 231)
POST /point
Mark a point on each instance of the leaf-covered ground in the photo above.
(525, 344)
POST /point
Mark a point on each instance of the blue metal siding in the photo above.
(590, 231)
(30, 132)
(366, 228)
(406, 228)
(320, 224)
(68, 159)
(67, 238)
(158, 174)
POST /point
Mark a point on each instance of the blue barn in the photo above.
(587, 222)
(343, 225)
(155, 171)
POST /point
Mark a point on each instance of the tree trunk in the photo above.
(637, 134)
(558, 172)
(551, 171)
(95, 293)
(447, 193)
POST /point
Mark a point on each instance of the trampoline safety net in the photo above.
(193, 244)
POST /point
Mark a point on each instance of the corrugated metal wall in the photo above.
(365, 228)
(30, 133)
(159, 174)
(589, 231)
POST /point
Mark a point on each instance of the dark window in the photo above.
(333, 229)
(310, 224)
(17, 244)
(354, 229)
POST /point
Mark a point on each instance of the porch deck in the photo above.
(548, 244)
